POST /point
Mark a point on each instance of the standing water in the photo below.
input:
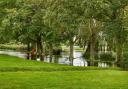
(61, 59)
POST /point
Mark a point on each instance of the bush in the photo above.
(124, 63)
(106, 57)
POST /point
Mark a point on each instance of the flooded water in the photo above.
(62, 59)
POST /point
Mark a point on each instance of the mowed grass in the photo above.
(23, 74)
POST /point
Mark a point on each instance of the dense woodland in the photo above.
(98, 26)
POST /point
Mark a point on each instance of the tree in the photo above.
(115, 27)
(6, 6)
(68, 16)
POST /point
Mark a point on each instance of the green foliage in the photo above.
(124, 63)
(106, 57)
(55, 22)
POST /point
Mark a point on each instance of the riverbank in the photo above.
(60, 59)
(11, 63)
(18, 73)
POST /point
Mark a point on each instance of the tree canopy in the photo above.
(45, 24)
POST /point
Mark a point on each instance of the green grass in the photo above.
(17, 73)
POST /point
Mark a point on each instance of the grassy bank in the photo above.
(16, 73)
(10, 63)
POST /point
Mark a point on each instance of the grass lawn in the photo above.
(16, 73)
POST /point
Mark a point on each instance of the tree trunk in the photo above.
(40, 48)
(50, 52)
(71, 57)
(56, 59)
(33, 52)
(92, 41)
(92, 51)
(42, 53)
(28, 51)
(119, 55)
(87, 51)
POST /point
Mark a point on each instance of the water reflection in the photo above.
(64, 59)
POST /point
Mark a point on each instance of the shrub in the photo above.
(124, 63)
(106, 57)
